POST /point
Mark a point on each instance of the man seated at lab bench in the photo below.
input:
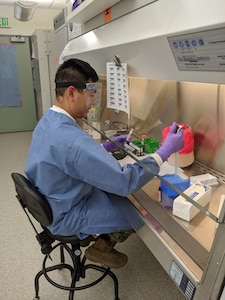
(78, 176)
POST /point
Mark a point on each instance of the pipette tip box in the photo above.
(182, 183)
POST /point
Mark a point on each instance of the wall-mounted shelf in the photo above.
(89, 9)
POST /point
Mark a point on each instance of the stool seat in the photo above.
(73, 239)
(36, 206)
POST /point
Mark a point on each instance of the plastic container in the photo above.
(166, 201)
(180, 183)
(150, 145)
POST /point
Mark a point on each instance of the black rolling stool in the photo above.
(35, 205)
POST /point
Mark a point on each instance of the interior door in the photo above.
(19, 115)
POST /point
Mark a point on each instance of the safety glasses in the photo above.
(80, 85)
(92, 91)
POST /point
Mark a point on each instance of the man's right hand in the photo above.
(173, 142)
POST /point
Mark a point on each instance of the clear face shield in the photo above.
(93, 101)
(93, 93)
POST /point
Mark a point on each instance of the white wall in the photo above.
(42, 19)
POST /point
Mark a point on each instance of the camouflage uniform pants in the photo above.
(120, 236)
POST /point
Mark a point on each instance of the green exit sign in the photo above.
(4, 22)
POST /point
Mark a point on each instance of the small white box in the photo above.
(206, 179)
(197, 192)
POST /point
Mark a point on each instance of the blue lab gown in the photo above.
(76, 175)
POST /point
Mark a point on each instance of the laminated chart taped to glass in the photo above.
(117, 87)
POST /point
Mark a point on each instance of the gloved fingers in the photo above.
(128, 138)
(180, 133)
(120, 138)
(178, 142)
(115, 143)
(125, 138)
(173, 128)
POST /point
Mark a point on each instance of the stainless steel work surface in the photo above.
(201, 227)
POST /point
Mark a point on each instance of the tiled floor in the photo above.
(142, 278)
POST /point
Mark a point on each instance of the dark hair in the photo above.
(74, 70)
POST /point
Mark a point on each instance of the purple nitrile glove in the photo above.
(119, 141)
(173, 142)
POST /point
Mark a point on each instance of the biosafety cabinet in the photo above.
(175, 55)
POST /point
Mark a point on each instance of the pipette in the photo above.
(179, 127)
(175, 154)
